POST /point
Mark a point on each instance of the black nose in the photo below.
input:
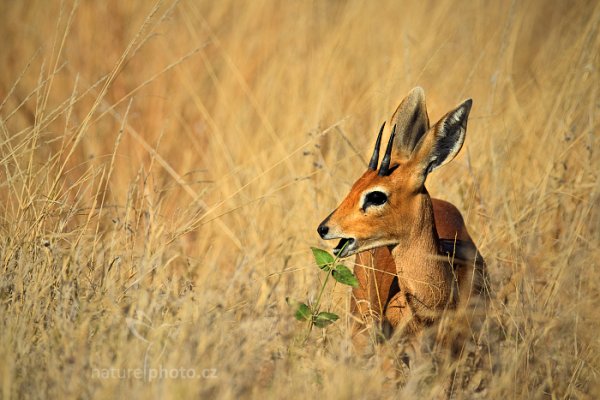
(323, 229)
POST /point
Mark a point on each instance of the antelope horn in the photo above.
(385, 163)
(375, 156)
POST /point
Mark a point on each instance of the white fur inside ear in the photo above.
(452, 127)
(457, 116)
(457, 145)
(446, 139)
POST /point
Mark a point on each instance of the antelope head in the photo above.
(389, 202)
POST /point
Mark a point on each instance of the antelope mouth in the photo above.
(345, 247)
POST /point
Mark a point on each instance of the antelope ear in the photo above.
(443, 141)
(411, 122)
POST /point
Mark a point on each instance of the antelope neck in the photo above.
(419, 268)
(423, 240)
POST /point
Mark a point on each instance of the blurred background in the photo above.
(164, 167)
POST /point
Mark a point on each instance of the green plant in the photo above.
(340, 273)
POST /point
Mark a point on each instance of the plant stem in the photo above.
(318, 303)
(315, 310)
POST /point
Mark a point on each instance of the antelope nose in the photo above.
(322, 230)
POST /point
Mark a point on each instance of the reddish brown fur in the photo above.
(449, 224)
(376, 270)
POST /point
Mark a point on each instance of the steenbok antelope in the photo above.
(415, 258)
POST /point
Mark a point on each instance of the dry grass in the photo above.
(163, 169)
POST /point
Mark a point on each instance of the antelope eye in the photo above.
(376, 198)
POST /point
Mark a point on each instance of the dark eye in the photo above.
(376, 198)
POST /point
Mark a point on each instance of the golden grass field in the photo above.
(163, 169)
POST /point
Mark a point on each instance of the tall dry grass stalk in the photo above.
(163, 168)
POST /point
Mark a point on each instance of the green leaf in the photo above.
(324, 318)
(323, 259)
(342, 274)
(303, 312)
